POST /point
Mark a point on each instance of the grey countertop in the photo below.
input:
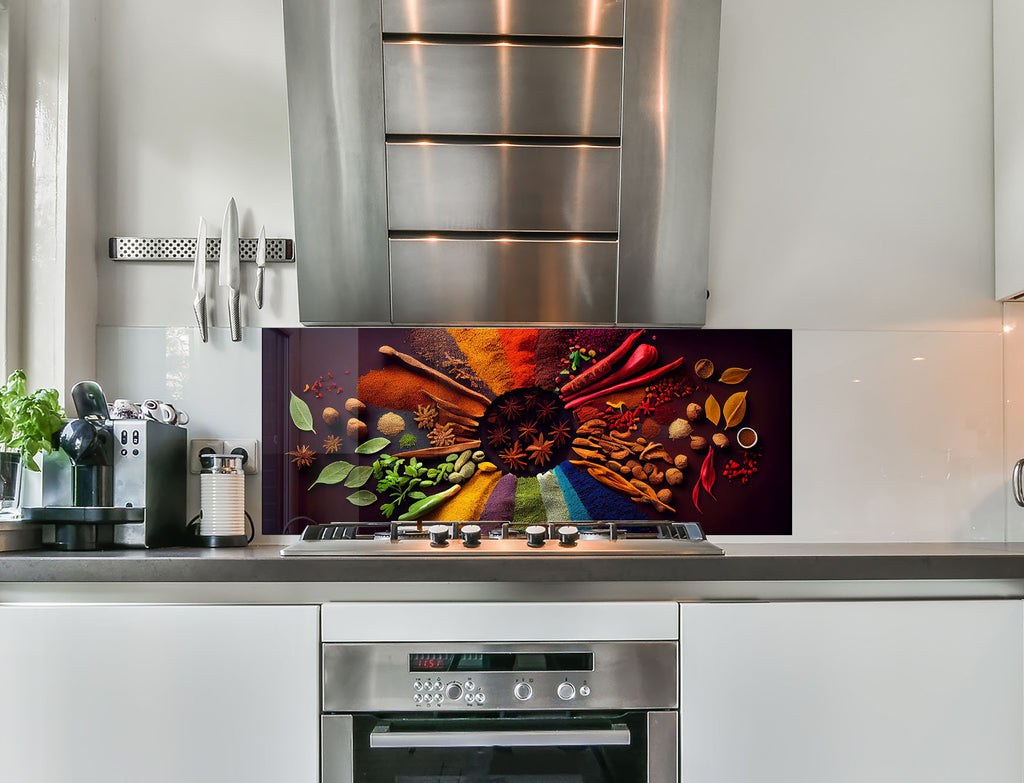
(741, 564)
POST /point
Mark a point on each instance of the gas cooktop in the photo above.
(634, 538)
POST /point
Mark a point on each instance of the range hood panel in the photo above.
(580, 131)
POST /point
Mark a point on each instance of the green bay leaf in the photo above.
(301, 415)
(333, 473)
(362, 498)
(373, 446)
(359, 476)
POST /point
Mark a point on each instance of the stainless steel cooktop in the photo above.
(468, 539)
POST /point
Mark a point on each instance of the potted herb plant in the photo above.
(28, 423)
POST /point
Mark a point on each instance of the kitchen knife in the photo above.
(199, 281)
(261, 262)
(229, 275)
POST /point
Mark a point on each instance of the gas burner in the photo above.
(643, 537)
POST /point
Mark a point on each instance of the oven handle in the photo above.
(382, 737)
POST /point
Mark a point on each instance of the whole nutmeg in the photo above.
(694, 411)
(356, 429)
(704, 368)
(720, 440)
(656, 478)
(679, 429)
(698, 443)
(681, 461)
(638, 473)
(665, 496)
(674, 477)
(355, 407)
(331, 416)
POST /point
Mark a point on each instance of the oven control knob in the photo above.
(453, 691)
(566, 691)
(584, 690)
(568, 535)
(535, 535)
(522, 691)
(438, 535)
(471, 535)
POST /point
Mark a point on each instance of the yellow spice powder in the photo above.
(468, 503)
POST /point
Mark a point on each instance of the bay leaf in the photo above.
(712, 410)
(734, 409)
(333, 473)
(301, 415)
(734, 375)
(362, 498)
(359, 476)
(372, 446)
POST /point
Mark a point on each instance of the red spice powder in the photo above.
(520, 347)
(552, 348)
(398, 388)
(486, 355)
(650, 429)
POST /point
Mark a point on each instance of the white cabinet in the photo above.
(852, 692)
(159, 694)
(1008, 151)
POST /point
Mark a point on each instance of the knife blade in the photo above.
(229, 274)
(199, 282)
(261, 262)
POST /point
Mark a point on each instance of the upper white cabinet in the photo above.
(161, 694)
(887, 692)
(1008, 132)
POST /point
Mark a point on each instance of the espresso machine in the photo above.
(113, 482)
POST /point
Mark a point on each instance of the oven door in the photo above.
(633, 747)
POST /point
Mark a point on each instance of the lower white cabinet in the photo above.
(159, 694)
(854, 692)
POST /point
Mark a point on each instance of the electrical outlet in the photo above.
(199, 446)
(249, 448)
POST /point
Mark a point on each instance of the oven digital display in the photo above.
(502, 662)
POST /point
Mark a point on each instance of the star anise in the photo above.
(499, 436)
(426, 416)
(528, 430)
(332, 444)
(560, 433)
(303, 456)
(514, 456)
(546, 409)
(510, 408)
(540, 451)
(441, 435)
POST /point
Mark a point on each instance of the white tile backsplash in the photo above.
(218, 383)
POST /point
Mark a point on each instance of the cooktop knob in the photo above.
(568, 535)
(523, 691)
(471, 535)
(438, 535)
(453, 691)
(566, 691)
(535, 535)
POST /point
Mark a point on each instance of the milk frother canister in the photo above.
(222, 499)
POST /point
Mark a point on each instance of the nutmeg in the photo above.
(720, 440)
(355, 407)
(698, 443)
(681, 461)
(330, 416)
(356, 429)
(656, 478)
(674, 477)
(639, 473)
(694, 411)
(665, 496)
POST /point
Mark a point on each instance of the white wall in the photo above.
(852, 203)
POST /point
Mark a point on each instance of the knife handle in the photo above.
(199, 306)
(234, 317)
(258, 294)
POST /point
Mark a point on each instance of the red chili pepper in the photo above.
(640, 380)
(707, 472)
(330, 375)
(600, 368)
(696, 492)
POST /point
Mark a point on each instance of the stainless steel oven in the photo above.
(500, 712)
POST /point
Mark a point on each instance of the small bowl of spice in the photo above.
(747, 438)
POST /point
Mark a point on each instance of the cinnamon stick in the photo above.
(416, 364)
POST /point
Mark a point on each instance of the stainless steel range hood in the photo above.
(502, 161)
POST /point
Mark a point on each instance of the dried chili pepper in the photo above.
(707, 473)
(601, 368)
(696, 493)
(640, 380)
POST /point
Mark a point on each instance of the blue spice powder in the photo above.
(577, 511)
(602, 503)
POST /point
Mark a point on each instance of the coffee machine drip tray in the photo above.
(83, 527)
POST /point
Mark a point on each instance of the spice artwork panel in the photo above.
(528, 425)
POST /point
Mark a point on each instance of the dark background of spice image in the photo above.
(294, 357)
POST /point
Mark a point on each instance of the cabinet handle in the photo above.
(1018, 489)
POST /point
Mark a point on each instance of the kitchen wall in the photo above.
(852, 203)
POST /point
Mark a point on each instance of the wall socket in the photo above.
(249, 446)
